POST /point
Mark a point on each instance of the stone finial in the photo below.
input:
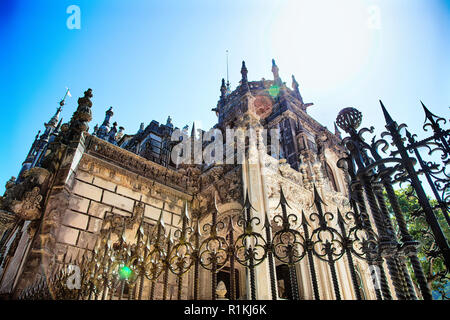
(80, 118)
(221, 291)
(275, 70)
(244, 80)
(169, 122)
(141, 128)
(223, 89)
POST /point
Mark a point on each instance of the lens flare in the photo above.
(125, 272)
(274, 91)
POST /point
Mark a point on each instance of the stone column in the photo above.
(253, 181)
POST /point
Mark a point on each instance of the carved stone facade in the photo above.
(83, 182)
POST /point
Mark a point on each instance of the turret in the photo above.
(111, 137)
(169, 122)
(103, 131)
(244, 80)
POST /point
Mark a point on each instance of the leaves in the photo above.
(428, 253)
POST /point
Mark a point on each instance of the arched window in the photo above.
(330, 176)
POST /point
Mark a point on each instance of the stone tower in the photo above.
(80, 193)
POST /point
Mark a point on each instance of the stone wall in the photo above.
(100, 189)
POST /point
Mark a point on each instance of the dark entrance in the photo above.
(283, 281)
(224, 275)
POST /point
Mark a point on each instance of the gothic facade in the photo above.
(79, 189)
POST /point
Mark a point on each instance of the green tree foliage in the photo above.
(432, 263)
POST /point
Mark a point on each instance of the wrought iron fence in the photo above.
(371, 175)
(117, 263)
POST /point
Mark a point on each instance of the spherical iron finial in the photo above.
(348, 119)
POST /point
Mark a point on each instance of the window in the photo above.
(330, 176)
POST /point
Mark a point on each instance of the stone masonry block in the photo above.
(98, 209)
(79, 204)
(94, 224)
(129, 193)
(68, 235)
(75, 219)
(84, 176)
(118, 201)
(102, 183)
(87, 191)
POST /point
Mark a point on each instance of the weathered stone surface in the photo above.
(176, 220)
(87, 191)
(98, 209)
(129, 193)
(121, 212)
(84, 176)
(152, 212)
(75, 219)
(86, 240)
(118, 201)
(68, 235)
(99, 182)
(153, 201)
(79, 204)
(94, 224)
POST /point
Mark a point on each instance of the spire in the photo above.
(169, 122)
(54, 120)
(244, 80)
(58, 127)
(296, 90)
(276, 76)
(228, 82)
(337, 133)
(141, 128)
(223, 90)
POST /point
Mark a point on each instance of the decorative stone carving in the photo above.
(25, 198)
(80, 118)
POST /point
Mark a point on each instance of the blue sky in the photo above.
(150, 59)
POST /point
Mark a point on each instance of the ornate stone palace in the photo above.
(115, 210)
